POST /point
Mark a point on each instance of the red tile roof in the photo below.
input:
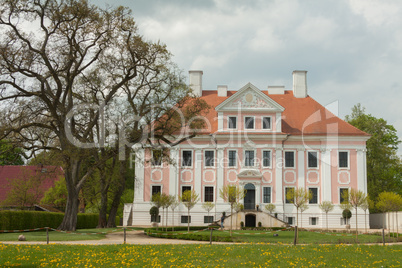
(8, 173)
(302, 116)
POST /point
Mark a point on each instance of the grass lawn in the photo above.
(240, 255)
(81, 234)
(287, 237)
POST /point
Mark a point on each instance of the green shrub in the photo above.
(259, 224)
(346, 213)
(21, 220)
(242, 224)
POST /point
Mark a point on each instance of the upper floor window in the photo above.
(343, 159)
(232, 122)
(209, 158)
(232, 158)
(266, 158)
(249, 122)
(249, 158)
(156, 157)
(290, 159)
(266, 122)
(312, 159)
(187, 160)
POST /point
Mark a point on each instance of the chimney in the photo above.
(276, 90)
(222, 91)
(196, 82)
(300, 84)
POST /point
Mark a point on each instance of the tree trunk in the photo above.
(167, 212)
(69, 222)
(231, 216)
(397, 229)
(356, 223)
(188, 219)
(172, 220)
(102, 220)
(117, 195)
(327, 221)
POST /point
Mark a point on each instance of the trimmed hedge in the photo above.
(192, 236)
(20, 220)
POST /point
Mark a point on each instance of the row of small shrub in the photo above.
(265, 228)
(177, 228)
(194, 236)
(20, 220)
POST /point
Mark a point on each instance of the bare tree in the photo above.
(238, 207)
(189, 199)
(173, 206)
(302, 209)
(208, 206)
(355, 198)
(270, 208)
(326, 206)
(232, 194)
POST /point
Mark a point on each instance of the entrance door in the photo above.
(249, 199)
(250, 220)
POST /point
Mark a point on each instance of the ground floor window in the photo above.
(345, 221)
(185, 219)
(154, 219)
(208, 219)
(313, 220)
(291, 220)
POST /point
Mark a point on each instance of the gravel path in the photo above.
(132, 237)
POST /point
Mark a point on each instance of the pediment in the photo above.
(249, 173)
(249, 98)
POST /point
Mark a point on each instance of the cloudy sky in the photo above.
(352, 49)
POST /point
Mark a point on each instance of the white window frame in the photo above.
(262, 159)
(244, 122)
(270, 122)
(236, 160)
(182, 158)
(318, 162)
(213, 196)
(311, 221)
(227, 122)
(294, 159)
(318, 195)
(348, 153)
(244, 157)
(270, 194)
(214, 159)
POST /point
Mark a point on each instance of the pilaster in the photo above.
(301, 167)
(139, 176)
(326, 179)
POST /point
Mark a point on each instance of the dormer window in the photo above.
(232, 122)
(266, 122)
(249, 122)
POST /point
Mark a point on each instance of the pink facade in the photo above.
(266, 142)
